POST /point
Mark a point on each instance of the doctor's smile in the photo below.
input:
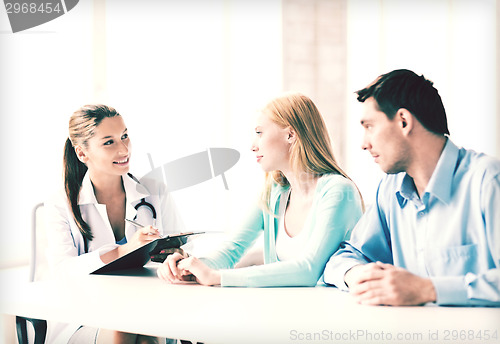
(122, 162)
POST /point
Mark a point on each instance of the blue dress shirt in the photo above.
(451, 234)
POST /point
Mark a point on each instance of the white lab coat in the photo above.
(65, 247)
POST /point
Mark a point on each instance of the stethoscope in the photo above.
(148, 205)
(143, 203)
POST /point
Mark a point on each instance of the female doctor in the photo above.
(85, 221)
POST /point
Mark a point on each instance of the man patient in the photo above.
(433, 232)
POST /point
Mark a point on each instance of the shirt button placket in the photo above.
(420, 237)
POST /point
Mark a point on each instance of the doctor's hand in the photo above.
(169, 271)
(142, 237)
(384, 284)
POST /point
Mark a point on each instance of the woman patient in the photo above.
(309, 206)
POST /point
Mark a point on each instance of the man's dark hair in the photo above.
(403, 88)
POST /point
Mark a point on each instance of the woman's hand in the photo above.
(181, 268)
(192, 266)
(169, 272)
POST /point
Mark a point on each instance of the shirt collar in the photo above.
(133, 189)
(406, 190)
(278, 192)
(87, 195)
(440, 184)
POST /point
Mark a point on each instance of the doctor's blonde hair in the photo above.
(311, 152)
(82, 125)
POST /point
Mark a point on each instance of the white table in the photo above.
(240, 315)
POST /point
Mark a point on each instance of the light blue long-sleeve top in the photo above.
(335, 210)
(451, 234)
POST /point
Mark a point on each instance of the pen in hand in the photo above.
(137, 224)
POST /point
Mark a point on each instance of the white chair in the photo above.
(38, 241)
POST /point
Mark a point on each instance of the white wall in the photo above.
(45, 75)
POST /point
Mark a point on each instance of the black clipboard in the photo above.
(140, 256)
